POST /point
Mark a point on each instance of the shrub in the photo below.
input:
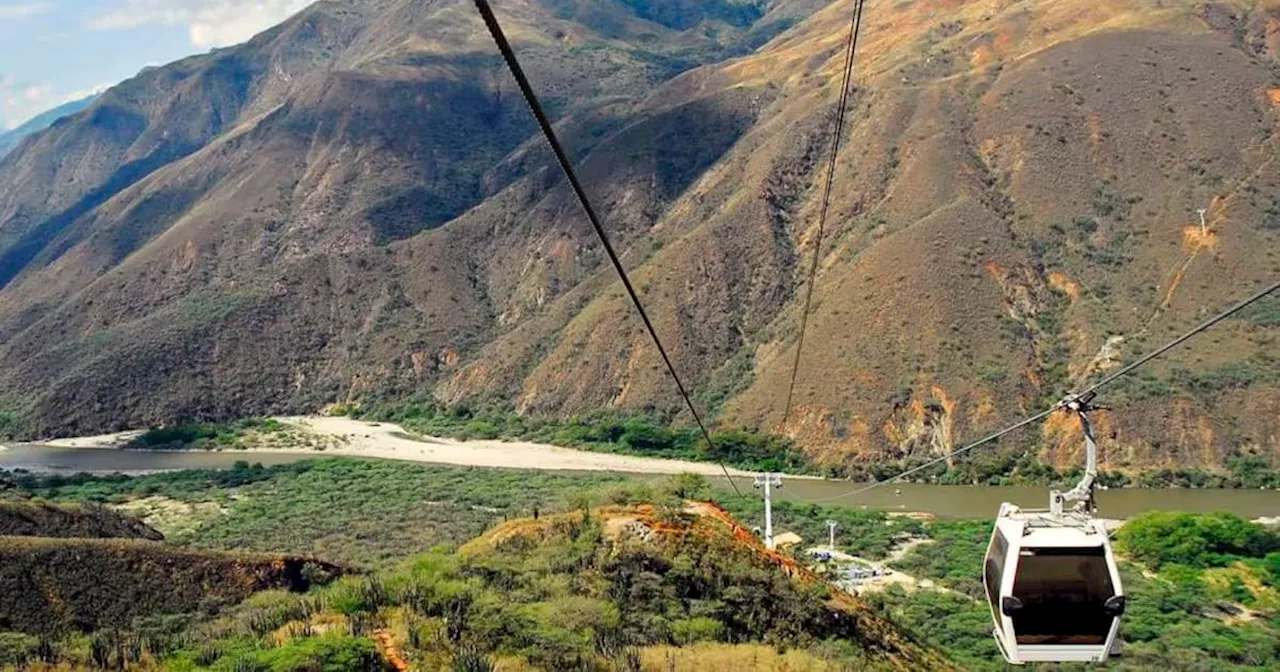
(356, 595)
(326, 653)
(1195, 540)
(690, 630)
(17, 649)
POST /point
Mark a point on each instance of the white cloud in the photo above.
(37, 92)
(20, 101)
(24, 10)
(209, 23)
(85, 93)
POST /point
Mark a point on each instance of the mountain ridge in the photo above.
(10, 139)
(1011, 219)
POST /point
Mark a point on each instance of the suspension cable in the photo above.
(1093, 388)
(500, 38)
(855, 27)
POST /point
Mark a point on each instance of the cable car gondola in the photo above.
(1050, 576)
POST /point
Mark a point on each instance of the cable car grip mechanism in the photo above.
(1082, 494)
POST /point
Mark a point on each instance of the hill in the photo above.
(353, 205)
(22, 519)
(58, 586)
(10, 139)
(577, 586)
(631, 588)
(685, 573)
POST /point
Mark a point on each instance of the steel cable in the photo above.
(1092, 388)
(500, 38)
(855, 27)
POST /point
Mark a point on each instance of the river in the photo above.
(961, 501)
(941, 500)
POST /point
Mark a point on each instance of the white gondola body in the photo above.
(1053, 587)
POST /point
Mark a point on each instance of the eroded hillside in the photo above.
(353, 204)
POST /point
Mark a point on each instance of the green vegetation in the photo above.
(1264, 313)
(34, 519)
(1007, 467)
(365, 512)
(561, 597)
(203, 435)
(956, 556)
(17, 648)
(1198, 541)
(600, 432)
(560, 592)
(957, 624)
(1208, 385)
(12, 424)
(326, 653)
(567, 590)
(731, 379)
(67, 585)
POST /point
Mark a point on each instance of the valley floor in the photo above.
(359, 438)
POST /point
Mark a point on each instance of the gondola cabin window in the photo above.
(993, 571)
(1063, 592)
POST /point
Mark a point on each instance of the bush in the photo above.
(354, 595)
(702, 629)
(16, 648)
(1196, 540)
(326, 653)
(177, 436)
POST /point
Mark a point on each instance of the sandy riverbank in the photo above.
(358, 438)
(100, 441)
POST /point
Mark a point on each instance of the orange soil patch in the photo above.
(1274, 95)
(1004, 39)
(744, 536)
(985, 408)
(981, 56)
(1194, 240)
(1066, 439)
(1095, 130)
(1064, 284)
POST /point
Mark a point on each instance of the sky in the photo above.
(55, 51)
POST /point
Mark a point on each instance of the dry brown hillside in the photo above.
(354, 203)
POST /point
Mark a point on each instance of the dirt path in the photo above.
(358, 438)
(387, 648)
(893, 577)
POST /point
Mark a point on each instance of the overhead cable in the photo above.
(855, 27)
(1087, 391)
(500, 38)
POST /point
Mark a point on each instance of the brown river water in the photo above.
(941, 500)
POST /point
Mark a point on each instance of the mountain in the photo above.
(10, 139)
(356, 203)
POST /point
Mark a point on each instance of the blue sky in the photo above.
(52, 51)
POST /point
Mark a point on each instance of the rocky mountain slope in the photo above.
(354, 203)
